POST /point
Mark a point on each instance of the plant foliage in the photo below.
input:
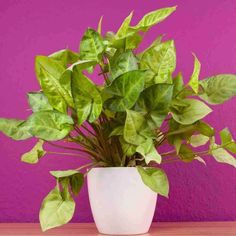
(139, 107)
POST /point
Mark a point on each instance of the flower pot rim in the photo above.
(119, 167)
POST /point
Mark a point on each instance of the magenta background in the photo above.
(28, 28)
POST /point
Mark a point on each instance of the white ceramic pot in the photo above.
(121, 204)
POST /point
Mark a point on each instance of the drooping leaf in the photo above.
(39, 102)
(155, 102)
(205, 129)
(76, 183)
(87, 98)
(192, 112)
(218, 89)
(155, 179)
(198, 140)
(49, 74)
(14, 129)
(186, 154)
(49, 125)
(56, 210)
(76, 179)
(63, 173)
(33, 156)
(149, 152)
(125, 90)
(153, 18)
(221, 155)
(227, 140)
(123, 63)
(91, 46)
(193, 83)
(160, 61)
(65, 57)
(133, 124)
(122, 31)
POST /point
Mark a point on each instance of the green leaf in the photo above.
(127, 148)
(198, 140)
(178, 84)
(227, 140)
(33, 156)
(65, 57)
(123, 63)
(192, 112)
(193, 83)
(221, 155)
(49, 125)
(133, 124)
(155, 179)
(63, 173)
(75, 178)
(156, 42)
(122, 31)
(83, 64)
(49, 74)
(99, 30)
(149, 152)
(186, 154)
(39, 102)
(91, 46)
(160, 61)
(218, 89)
(87, 98)
(205, 129)
(117, 131)
(56, 210)
(153, 18)
(125, 90)
(155, 102)
(76, 183)
(14, 129)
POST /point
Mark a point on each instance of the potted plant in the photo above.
(120, 124)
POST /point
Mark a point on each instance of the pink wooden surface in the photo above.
(159, 229)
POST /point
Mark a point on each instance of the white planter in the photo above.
(121, 204)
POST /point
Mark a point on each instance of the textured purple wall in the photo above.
(28, 28)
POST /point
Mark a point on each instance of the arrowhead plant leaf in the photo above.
(153, 18)
(155, 179)
(49, 73)
(193, 83)
(87, 98)
(125, 90)
(33, 156)
(49, 125)
(218, 89)
(14, 129)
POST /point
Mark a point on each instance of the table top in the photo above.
(159, 229)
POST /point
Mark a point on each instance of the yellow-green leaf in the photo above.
(193, 83)
(33, 156)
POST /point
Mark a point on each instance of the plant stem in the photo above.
(87, 165)
(67, 154)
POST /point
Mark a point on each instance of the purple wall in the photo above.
(28, 28)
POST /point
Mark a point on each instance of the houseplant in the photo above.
(123, 122)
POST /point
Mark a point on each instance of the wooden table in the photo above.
(159, 229)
